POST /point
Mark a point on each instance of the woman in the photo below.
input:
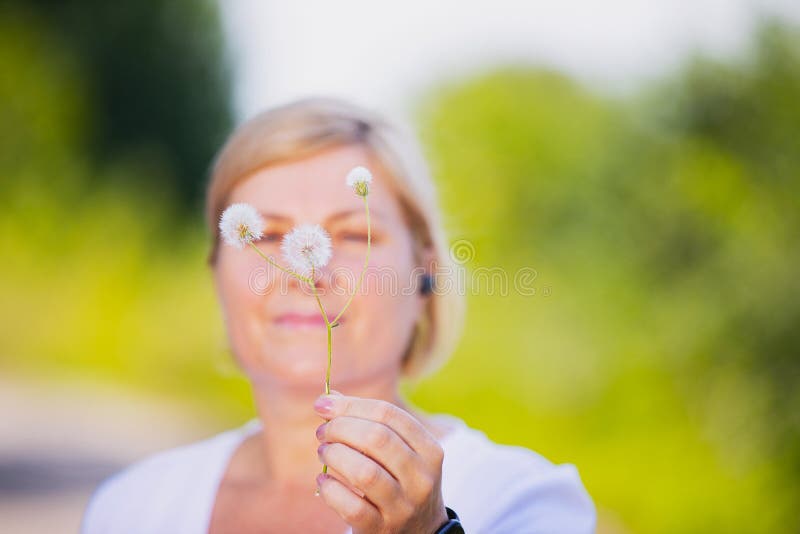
(391, 468)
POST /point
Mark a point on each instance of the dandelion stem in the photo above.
(366, 262)
(284, 269)
(329, 324)
(328, 328)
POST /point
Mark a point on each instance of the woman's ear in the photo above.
(426, 284)
(426, 280)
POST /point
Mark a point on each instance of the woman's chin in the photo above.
(305, 363)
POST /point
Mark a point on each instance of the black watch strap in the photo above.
(453, 525)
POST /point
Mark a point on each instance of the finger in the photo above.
(404, 424)
(376, 440)
(357, 512)
(361, 472)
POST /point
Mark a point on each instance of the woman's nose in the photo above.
(318, 281)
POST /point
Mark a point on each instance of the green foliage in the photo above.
(100, 271)
(154, 74)
(664, 359)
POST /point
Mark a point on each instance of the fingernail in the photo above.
(321, 430)
(323, 404)
(320, 449)
(321, 478)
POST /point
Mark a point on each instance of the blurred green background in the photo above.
(660, 354)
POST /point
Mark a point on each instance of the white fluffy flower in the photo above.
(359, 179)
(240, 224)
(307, 246)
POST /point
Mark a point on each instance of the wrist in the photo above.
(452, 525)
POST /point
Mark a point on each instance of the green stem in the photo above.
(328, 328)
(364, 269)
(284, 269)
(328, 324)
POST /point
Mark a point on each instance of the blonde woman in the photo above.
(391, 468)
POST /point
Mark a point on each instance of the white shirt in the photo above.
(493, 488)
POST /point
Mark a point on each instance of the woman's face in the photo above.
(274, 324)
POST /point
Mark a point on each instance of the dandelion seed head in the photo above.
(240, 224)
(307, 247)
(359, 179)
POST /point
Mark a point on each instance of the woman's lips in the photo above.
(302, 320)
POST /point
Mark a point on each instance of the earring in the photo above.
(426, 284)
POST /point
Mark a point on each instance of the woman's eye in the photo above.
(353, 236)
(269, 237)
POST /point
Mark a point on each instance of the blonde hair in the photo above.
(304, 127)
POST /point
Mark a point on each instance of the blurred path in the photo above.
(58, 441)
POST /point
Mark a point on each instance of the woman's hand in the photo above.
(384, 453)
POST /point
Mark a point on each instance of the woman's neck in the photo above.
(284, 452)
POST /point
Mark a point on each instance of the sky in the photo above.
(385, 54)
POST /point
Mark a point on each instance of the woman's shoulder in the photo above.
(509, 488)
(145, 494)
